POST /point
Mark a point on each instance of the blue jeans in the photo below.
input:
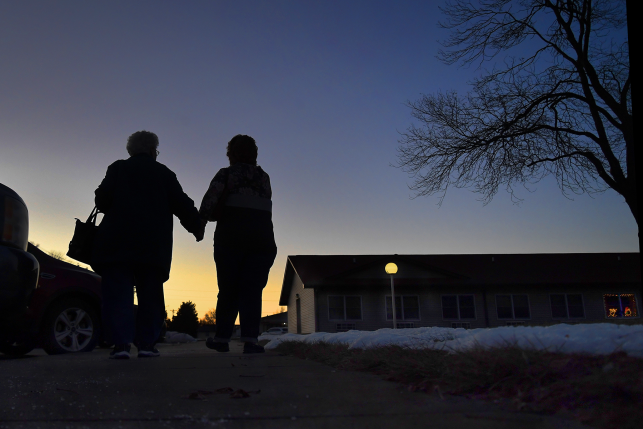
(118, 304)
(241, 277)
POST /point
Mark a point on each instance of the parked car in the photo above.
(276, 331)
(44, 301)
(18, 273)
(64, 309)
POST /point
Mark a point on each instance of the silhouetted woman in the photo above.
(133, 246)
(239, 199)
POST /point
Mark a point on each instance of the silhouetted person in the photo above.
(139, 197)
(244, 242)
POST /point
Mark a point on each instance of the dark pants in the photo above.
(241, 277)
(118, 304)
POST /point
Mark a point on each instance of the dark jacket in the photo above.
(246, 222)
(139, 197)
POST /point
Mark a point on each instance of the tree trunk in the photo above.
(633, 47)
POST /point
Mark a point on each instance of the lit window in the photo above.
(620, 305)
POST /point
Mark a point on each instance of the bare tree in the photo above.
(57, 255)
(210, 318)
(281, 310)
(556, 101)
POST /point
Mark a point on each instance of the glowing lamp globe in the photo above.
(391, 268)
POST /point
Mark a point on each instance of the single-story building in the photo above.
(279, 320)
(334, 293)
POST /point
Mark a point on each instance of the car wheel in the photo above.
(16, 348)
(71, 325)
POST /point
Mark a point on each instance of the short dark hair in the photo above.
(142, 142)
(242, 148)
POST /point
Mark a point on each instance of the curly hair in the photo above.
(242, 148)
(142, 142)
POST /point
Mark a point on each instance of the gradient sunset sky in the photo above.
(320, 85)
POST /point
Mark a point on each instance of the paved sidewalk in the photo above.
(90, 391)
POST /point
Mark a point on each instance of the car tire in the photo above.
(72, 325)
(15, 349)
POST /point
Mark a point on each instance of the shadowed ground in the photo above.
(192, 386)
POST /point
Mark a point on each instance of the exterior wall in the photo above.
(540, 305)
(374, 307)
(307, 301)
(430, 300)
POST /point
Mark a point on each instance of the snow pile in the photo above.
(178, 337)
(600, 338)
(269, 336)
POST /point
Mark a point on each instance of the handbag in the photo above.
(81, 244)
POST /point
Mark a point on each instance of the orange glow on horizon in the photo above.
(192, 278)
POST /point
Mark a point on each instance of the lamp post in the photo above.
(391, 269)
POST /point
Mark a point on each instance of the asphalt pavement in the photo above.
(190, 386)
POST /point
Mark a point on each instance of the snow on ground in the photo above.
(600, 338)
(172, 337)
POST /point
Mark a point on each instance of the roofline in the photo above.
(438, 283)
(410, 258)
(287, 283)
(470, 254)
(393, 258)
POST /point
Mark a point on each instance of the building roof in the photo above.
(472, 270)
(276, 318)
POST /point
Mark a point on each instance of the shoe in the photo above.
(121, 351)
(148, 351)
(253, 348)
(215, 345)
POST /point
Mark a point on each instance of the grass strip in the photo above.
(602, 391)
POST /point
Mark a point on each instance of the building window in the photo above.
(345, 327)
(458, 307)
(463, 325)
(512, 306)
(345, 308)
(567, 306)
(515, 323)
(407, 307)
(620, 305)
(405, 325)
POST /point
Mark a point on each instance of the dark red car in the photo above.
(18, 272)
(64, 308)
(43, 301)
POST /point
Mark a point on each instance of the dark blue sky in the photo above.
(320, 85)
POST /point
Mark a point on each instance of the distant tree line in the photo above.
(186, 320)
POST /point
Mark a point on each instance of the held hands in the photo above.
(199, 235)
(200, 231)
